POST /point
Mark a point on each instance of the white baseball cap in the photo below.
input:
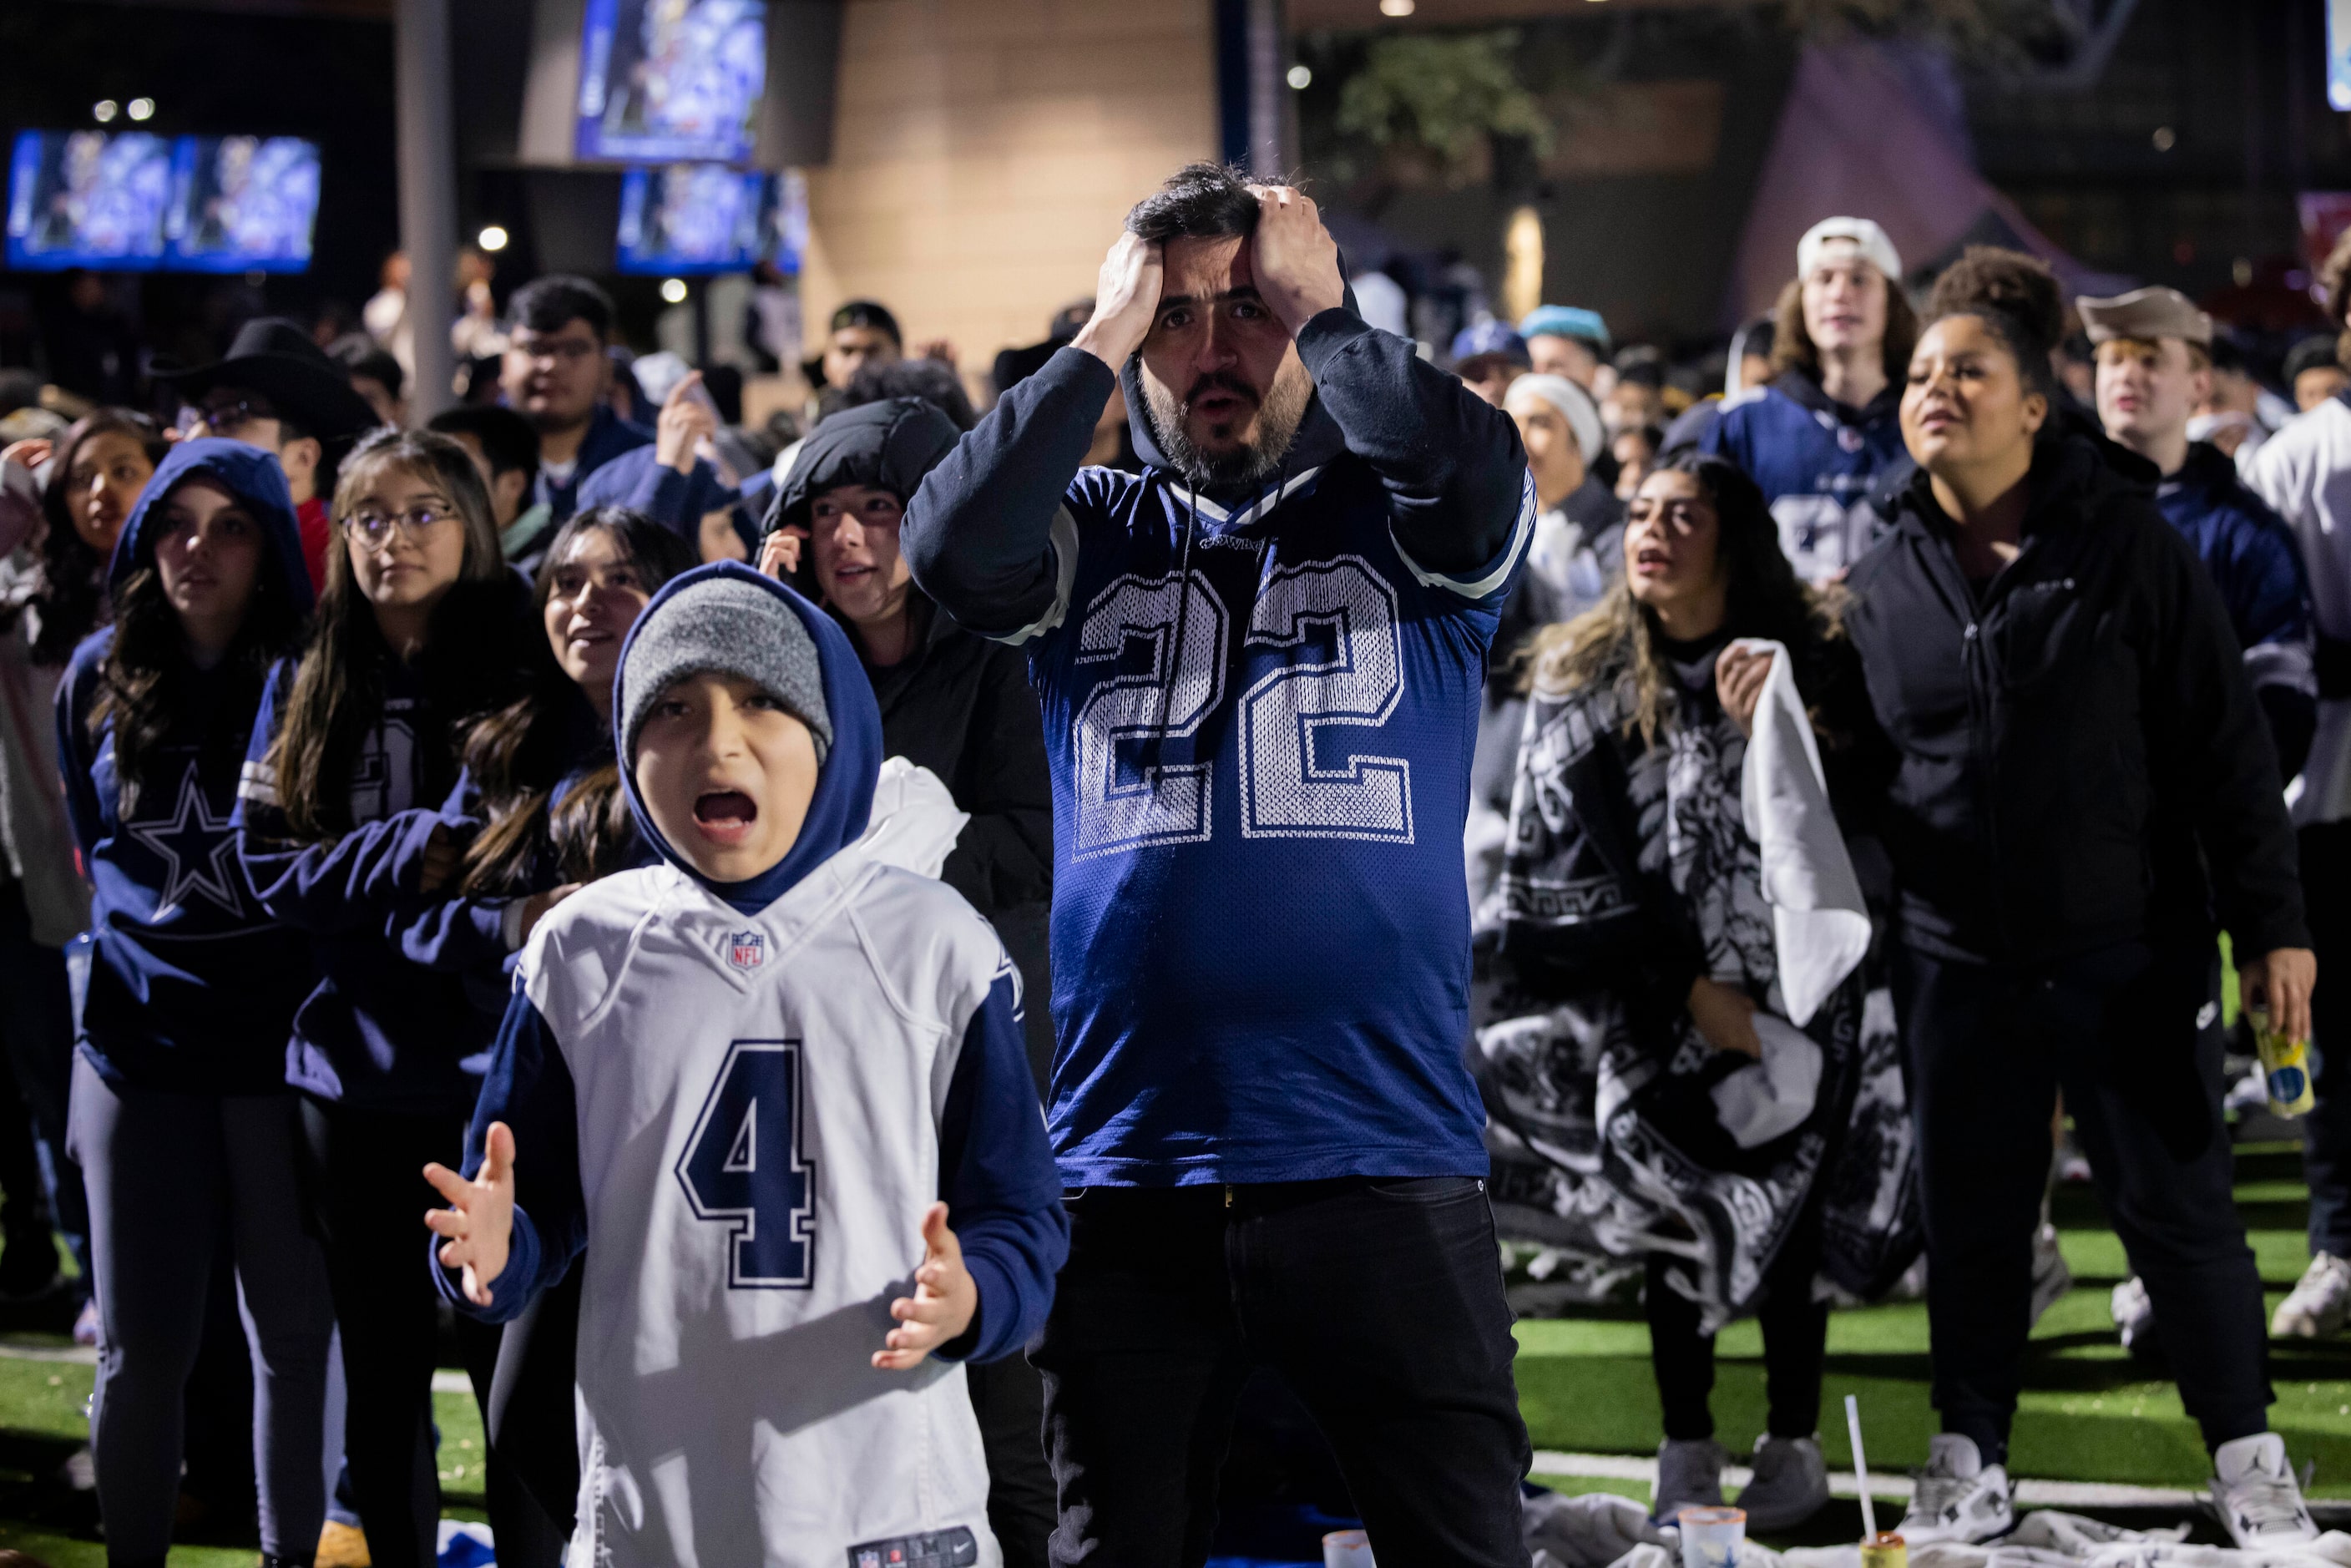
(1860, 232)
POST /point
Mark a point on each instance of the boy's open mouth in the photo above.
(724, 815)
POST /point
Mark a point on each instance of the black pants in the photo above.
(528, 1411)
(2326, 1132)
(1988, 1046)
(1379, 1303)
(1795, 1343)
(369, 1196)
(1008, 1398)
(37, 1033)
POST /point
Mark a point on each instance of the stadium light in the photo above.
(673, 291)
(1300, 78)
(492, 237)
(103, 111)
(142, 108)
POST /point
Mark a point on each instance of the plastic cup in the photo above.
(1346, 1548)
(1887, 1552)
(1711, 1536)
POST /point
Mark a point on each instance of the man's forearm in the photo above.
(977, 534)
(1452, 466)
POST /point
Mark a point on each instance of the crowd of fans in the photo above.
(2048, 597)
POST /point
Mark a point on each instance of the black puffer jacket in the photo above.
(2074, 738)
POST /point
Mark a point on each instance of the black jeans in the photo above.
(369, 1196)
(1987, 1046)
(1378, 1302)
(2327, 1131)
(1795, 1343)
(1008, 1398)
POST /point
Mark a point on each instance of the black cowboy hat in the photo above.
(275, 358)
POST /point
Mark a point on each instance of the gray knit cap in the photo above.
(735, 628)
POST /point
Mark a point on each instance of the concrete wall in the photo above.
(986, 149)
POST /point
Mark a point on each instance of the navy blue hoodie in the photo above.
(996, 1174)
(192, 983)
(390, 1028)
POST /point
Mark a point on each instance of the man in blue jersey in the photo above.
(1259, 664)
(1820, 437)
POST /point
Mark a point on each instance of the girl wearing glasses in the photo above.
(1640, 969)
(181, 1114)
(419, 631)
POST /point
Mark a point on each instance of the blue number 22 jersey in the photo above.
(1260, 720)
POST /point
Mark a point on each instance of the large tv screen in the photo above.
(242, 204)
(664, 80)
(86, 198)
(702, 218)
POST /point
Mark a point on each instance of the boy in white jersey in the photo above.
(742, 1081)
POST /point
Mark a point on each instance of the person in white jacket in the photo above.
(776, 1088)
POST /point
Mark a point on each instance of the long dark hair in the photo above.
(143, 683)
(72, 597)
(515, 756)
(469, 662)
(1614, 645)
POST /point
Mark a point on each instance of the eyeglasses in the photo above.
(573, 349)
(375, 528)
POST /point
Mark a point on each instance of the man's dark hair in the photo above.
(363, 356)
(508, 440)
(933, 381)
(869, 313)
(545, 304)
(2312, 353)
(1199, 201)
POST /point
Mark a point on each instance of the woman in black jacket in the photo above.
(961, 706)
(2083, 784)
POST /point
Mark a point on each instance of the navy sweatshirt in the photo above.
(192, 985)
(996, 1174)
(389, 1027)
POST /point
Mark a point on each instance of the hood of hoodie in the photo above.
(247, 473)
(1317, 440)
(887, 445)
(839, 810)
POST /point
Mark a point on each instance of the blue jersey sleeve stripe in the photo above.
(1493, 577)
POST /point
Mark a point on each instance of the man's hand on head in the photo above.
(1126, 301)
(1295, 258)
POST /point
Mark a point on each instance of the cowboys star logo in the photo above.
(198, 851)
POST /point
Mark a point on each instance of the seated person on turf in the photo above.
(742, 1080)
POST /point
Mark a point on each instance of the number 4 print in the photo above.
(742, 1167)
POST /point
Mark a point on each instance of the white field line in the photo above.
(2044, 1494)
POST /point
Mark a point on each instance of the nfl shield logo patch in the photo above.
(747, 950)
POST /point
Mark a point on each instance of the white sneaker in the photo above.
(2134, 1312)
(2319, 1302)
(1958, 1498)
(2051, 1278)
(1790, 1483)
(2255, 1494)
(1689, 1475)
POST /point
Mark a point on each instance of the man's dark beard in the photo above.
(1279, 412)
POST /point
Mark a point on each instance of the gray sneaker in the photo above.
(1790, 1484)
(1689, 1475)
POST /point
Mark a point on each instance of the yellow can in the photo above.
(1887, 1552)
(2285, 1068)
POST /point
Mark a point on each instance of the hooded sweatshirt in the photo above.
(1260, 702)
(192, 985)
(1817, 460)
(389, 1027)
(739, 1098)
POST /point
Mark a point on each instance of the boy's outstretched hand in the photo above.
(943, 1304)
(479, 1221)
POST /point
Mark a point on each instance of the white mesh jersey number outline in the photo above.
(1169, 805)
(1284, 793)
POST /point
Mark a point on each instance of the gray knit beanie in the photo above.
(735, 628)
